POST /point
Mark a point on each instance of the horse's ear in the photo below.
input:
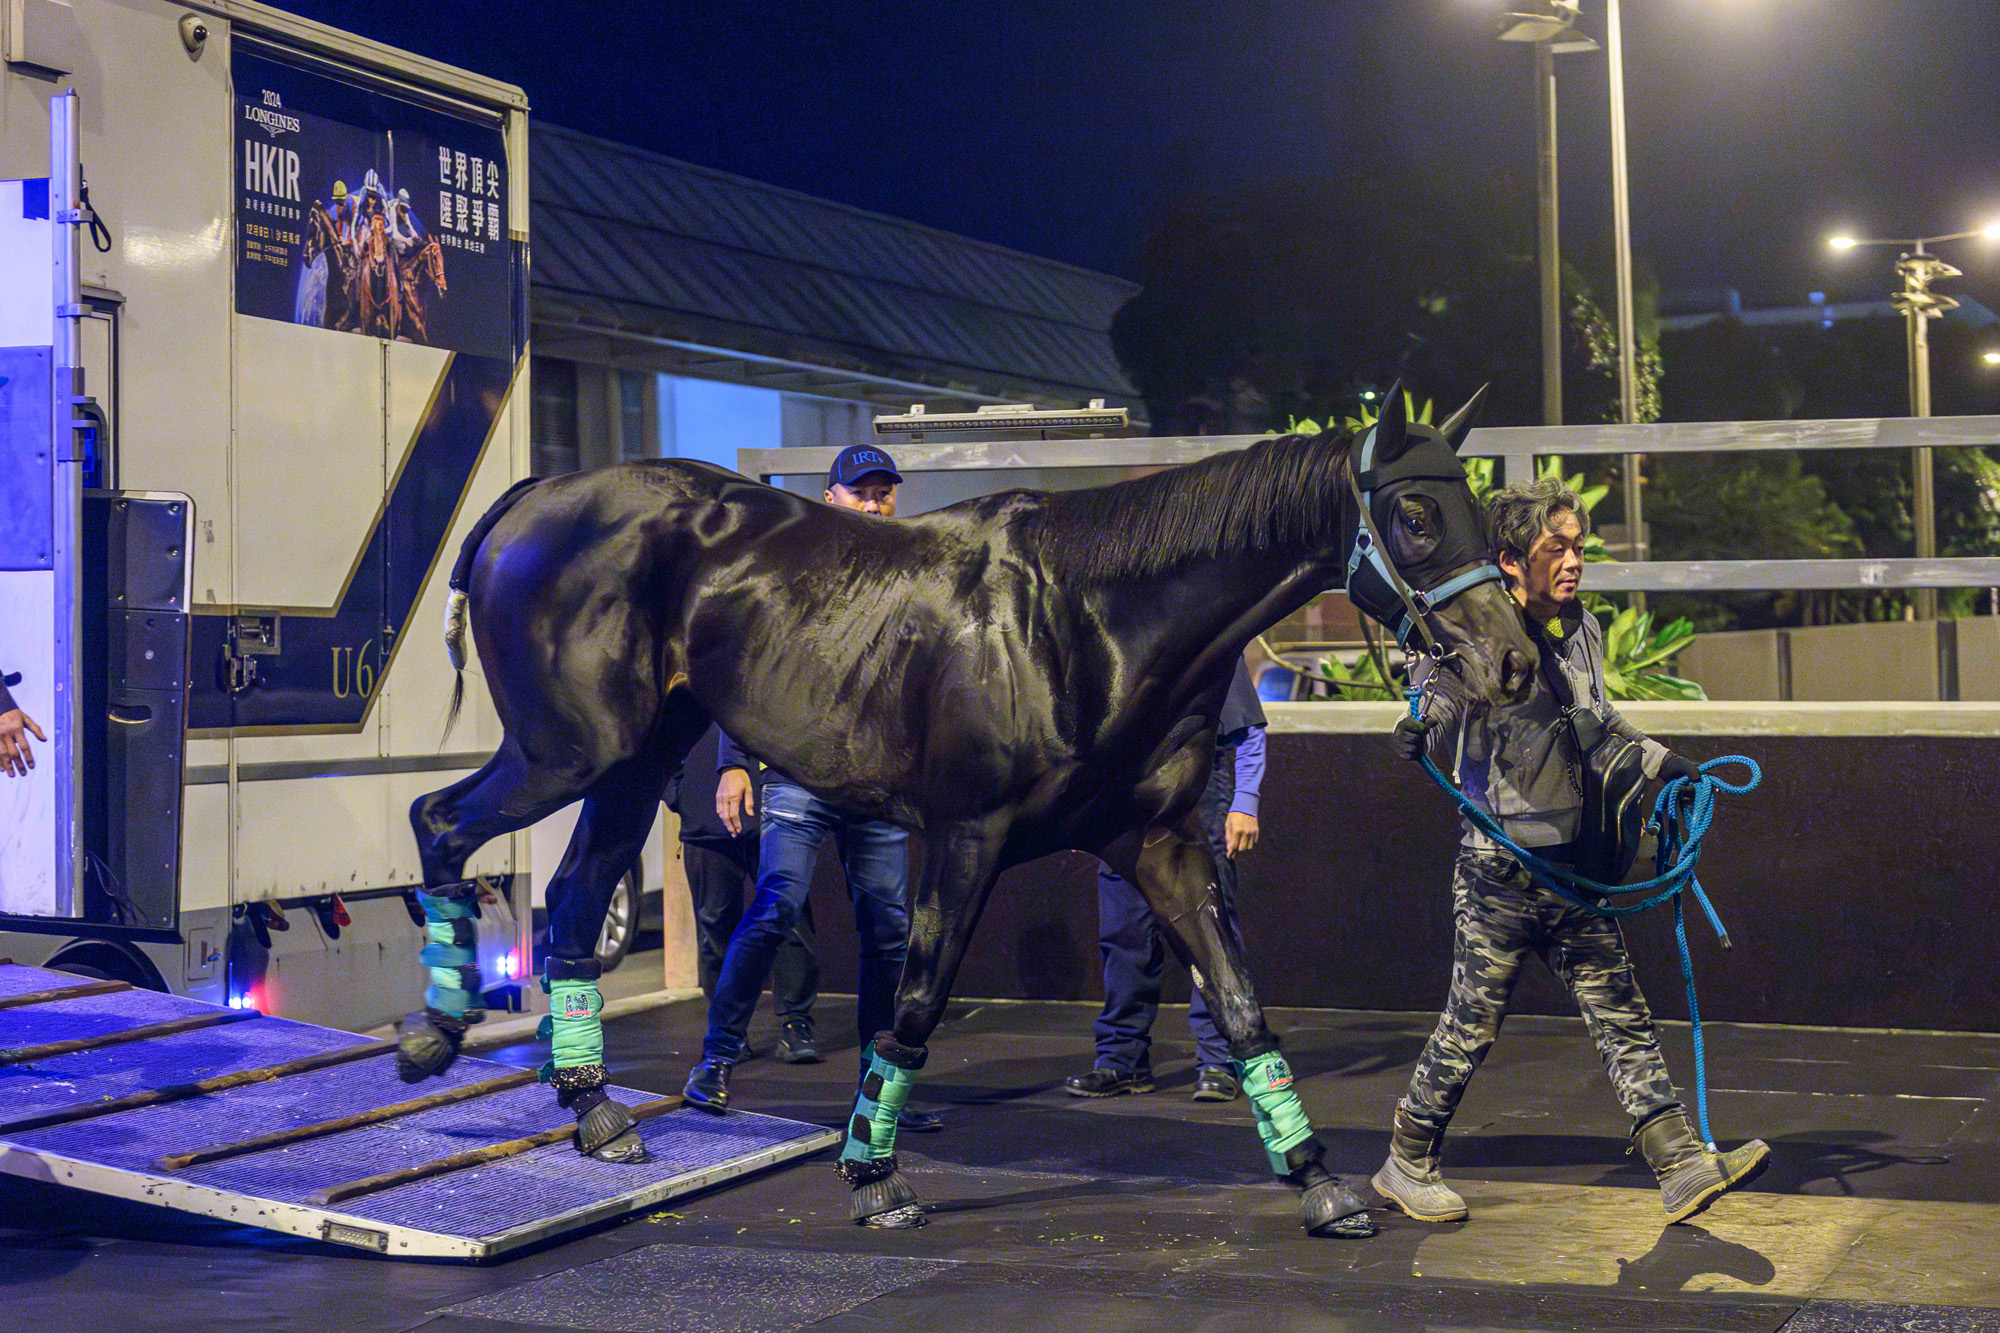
(1459, 424)
(1392, 436)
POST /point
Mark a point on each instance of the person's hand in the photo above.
(1239, 833)
(1678, 766)
(16, 755)
(735, 799)
(1411, 737)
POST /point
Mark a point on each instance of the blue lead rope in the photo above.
(1674, 858)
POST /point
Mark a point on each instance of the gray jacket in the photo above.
(1517, 763)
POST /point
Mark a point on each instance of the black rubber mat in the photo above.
(698, 1287)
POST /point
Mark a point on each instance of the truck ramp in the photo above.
(306, 1130)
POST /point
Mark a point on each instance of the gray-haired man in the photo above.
(1518, 765)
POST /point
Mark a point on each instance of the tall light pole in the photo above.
(1551, 25)
(1919, 305)
(1621, 228)
(1551, 30)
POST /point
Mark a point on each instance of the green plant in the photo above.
(1363, 680)
(1636, 657)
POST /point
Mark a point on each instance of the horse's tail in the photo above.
(457, 604)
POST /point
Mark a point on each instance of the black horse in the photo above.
(1012, 676)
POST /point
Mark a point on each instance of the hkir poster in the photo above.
(360, 212)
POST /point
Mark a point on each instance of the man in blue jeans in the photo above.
(1128, 935)
(873, 856)
(718, 864)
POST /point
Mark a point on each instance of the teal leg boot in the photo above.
(880, 1196)
(1326, 1207)
(574, 1030)
(427, 1040)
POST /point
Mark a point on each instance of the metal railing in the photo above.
(1516, 449)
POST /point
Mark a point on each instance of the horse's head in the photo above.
(1422, 562)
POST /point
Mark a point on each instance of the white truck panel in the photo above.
(286, 438)
(311, 836)
(205, 848)
(310, 467)
(162, 182)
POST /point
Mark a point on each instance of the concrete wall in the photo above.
(1745, 664)
(1888, 661)
(1855, 881)
(1979, 658)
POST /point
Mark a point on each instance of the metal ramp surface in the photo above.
(307, 1130)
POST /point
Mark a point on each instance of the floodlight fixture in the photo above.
(1842, 242)
(1551, 21)
(1991, 356)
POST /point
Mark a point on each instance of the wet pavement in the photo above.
(1878, 1212)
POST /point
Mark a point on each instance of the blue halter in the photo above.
(1407, 621)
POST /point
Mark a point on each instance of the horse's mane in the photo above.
(1278, 494)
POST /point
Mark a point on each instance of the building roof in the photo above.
(640, 259)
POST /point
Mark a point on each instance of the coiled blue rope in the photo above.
(1674, 856)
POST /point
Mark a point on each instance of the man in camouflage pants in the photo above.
(1518, 765)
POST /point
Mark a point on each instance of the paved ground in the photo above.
(1144, 1212)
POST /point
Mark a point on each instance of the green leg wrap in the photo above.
(871, 1130)
(449, 954)
(574, 1030)
(1281, 1121)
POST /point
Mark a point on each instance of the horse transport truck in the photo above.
(263, 360)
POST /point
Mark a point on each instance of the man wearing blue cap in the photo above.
(873, 855)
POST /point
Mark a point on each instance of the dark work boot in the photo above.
(1410, 1180)
(1691, 1177)
(796, 1045)
(1103, 1082)
(708, 1087)
(1216, 1084)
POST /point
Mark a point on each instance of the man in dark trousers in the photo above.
(16, 755)
(1519, 764)
(1129, 933)
(719, 864)
(873, 856)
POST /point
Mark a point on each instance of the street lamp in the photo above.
(1551, 28)
(1550, 24)
(1919, 305)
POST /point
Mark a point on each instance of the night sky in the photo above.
(1756, 126)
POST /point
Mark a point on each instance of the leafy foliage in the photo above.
(1363, 680)
(1636, 658)
(1825, 504)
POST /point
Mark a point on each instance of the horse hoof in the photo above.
(881, 1197)
(906, 1218)
(628, 1148)
(1331, 1209)
(426, 1044)
(607, 1132)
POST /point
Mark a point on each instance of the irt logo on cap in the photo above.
(860, 460)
